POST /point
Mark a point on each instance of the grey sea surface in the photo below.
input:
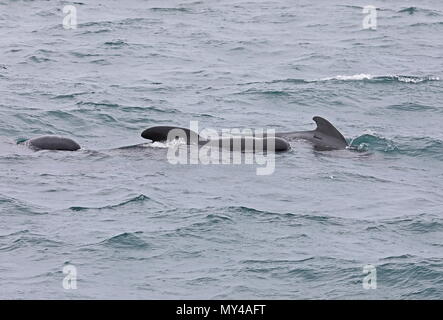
(135, 226)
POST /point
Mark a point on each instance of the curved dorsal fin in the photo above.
(325, 127)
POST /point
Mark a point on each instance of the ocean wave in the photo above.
(420, 24)
(98, 104)
(97, 31)
(125, 108)
(360, 76)
(25, 238)
(116, 43)
(414, 10)
(381, 79)
(274, 93)
(319, 268)
(411, 146)
(290, 80)
(204, 224)
(126, 240)
(84, 55)
(412, 107)
(417, 223)
(171, 10)
(371, 142)
(269, 215)
(138, 199)
(410, 10)
(412, 273)
(36, 59)
(71, 95)
(366, 77)
(111, 24)
(15, 206)
(63, 116)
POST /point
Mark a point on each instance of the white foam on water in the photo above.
(360, 76)
(366, 76)
(168, 144)
(416, 79)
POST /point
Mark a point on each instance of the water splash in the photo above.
(381, 78)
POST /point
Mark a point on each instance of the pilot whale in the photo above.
(53, 143)
(234, 143)
(324, 137)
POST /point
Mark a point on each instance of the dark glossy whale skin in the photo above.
(53, 143)
(250, 144)
(240, 143)
(160, 133)
(325, 137)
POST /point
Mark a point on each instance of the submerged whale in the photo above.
(53, 143)
(324, 137)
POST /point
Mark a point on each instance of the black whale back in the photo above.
(53, 143)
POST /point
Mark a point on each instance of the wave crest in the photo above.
(126, 240)
(382, 78)
(137, 199)
(414, 147)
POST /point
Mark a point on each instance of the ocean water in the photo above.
(133, 225)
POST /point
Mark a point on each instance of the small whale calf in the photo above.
(324, 137)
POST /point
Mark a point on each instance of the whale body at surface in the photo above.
(324, 137)
(53, 143)
(232, 143)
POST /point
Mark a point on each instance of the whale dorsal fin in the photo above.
(325, 127)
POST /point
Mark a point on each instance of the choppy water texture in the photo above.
(136, 226)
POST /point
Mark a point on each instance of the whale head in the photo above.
(53, 143)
